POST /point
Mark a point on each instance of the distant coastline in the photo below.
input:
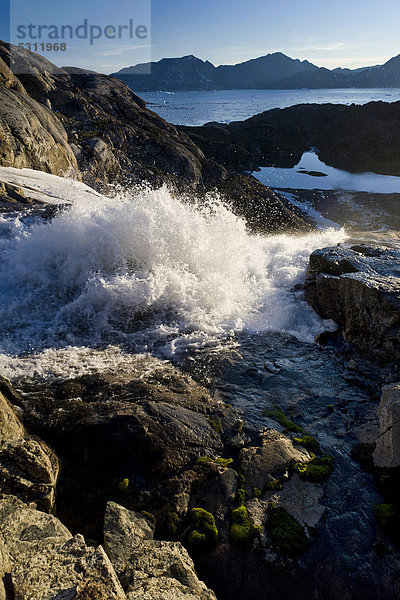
(199, 107)
(273, 71)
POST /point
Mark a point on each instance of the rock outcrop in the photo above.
(28, 467)
(124, 531)
(387, 452)
(359, 288)
(41, 559)
(54, 118)
(353, 138)
(149, 569)
(274, 456)
(30, 134)
(143, 432)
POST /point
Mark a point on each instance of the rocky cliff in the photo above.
(60, 119)
(30, 134)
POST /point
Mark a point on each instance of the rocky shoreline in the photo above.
(271, 465)
(353, 138)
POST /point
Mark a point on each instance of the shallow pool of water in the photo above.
(312, 174)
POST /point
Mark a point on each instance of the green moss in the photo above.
(123, 485)
(317, 469)
(275, 485)
(240, 497)
(241, 480)
(285, 532)
(204, 532)
(197, 539)
(309, 442)
(242, 531)
(283, 420)
(216, 425)
(150, 518)
(385, 515)
(256, 492)
(223, 462)
(172, 523)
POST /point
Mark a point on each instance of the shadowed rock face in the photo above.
(358, 287)
(28, 467)
(353, 138)
(387, 452)
(147, 432)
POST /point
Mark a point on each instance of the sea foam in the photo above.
(146, 272)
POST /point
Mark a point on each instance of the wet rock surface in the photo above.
(275, 455)
(114, 452)
(144, 434)
(358, 287)
(335, 399)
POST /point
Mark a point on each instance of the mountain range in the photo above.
(273, 71)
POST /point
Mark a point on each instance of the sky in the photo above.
(346, 33)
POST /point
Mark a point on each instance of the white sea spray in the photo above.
(145, 272)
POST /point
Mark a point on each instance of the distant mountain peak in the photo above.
(275, 70)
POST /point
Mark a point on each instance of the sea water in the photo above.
(312, 174)
(144, 272)
(224, 106)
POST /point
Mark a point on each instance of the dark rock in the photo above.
(387, 452)
(353, 138)
(275, 455)
(358, 287)
(143, 435)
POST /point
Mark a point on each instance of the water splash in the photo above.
(149, 273)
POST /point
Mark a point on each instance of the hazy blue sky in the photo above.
(347, 33)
